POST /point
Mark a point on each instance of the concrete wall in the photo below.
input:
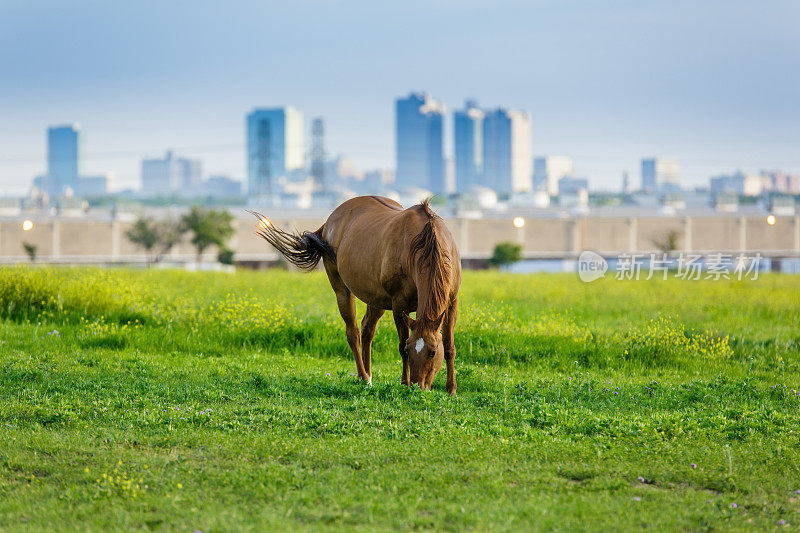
(96, 240)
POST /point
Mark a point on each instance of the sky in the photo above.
(714, 83)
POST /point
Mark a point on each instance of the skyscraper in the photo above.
(275, 147)
(660, 174)
(507, 151)
(468, 140)
(547, 171)
(419, 139)
(64, 158)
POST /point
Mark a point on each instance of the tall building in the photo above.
(275, 147)
(468, 140)
(548, 171)
(171, 175)
(64, 158)
(660, 174)
(507, 151)
(419, 142)
(192, 174)
(449, 176)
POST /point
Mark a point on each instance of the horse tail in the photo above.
(303, 250)
(437, 264)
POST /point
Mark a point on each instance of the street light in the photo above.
(519, 222)
(771, 220)
(27, 225)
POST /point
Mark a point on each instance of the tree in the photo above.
(155, 238)
(143, 234)
(170, 233)
(30, 250)
(505, 253)
(208, 226)
(668, 243)
(225, 256)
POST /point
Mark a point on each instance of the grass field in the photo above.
(167, 400)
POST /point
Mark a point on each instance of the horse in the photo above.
(392, 259)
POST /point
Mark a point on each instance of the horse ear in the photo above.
(410, 322)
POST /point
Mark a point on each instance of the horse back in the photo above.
(370, 236)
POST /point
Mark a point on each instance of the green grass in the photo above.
(228, 402)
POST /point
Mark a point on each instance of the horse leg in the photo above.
(402, 332)
(368, 325)
(347, 308)
(448, 339)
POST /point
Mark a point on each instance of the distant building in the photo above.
(192, 175)
(171, 175)
(547, 171)
(419, 142)
(752, 184)
(577, 199)
(742, 184)
(44, 188)
(64, 159)
(95, 186)
(660, 174)
(507, 151)
(222, 186)
(727, 184)
(782, 182)
(377, 181)
(570, 185)
(275, 148)
(64, 177)
(449, 176)
(340, 170)
(468, 142)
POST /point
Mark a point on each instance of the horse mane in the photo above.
(428, 249)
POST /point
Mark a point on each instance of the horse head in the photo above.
(425, 353)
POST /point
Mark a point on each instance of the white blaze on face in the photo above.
(418, 346)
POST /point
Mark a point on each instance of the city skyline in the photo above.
(491, 150)
(722, 96)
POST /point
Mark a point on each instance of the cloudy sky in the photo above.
(714, 83)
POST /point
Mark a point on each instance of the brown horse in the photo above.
(403, 260)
